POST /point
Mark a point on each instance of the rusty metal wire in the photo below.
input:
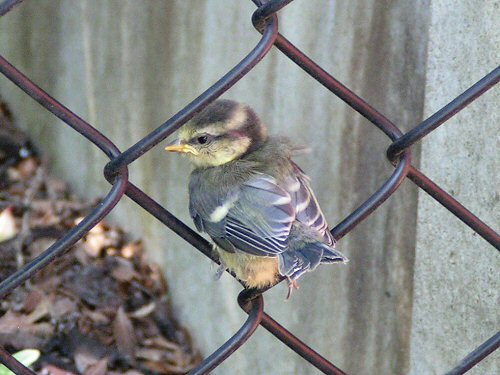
(252, 301)
(8, 5)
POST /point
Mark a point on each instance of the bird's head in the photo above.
(224, 131)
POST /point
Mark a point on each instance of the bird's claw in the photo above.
(220, 270)
(292, 284)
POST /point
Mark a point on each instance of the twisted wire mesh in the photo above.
(252, 301)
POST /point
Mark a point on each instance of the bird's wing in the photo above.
(208, 207)
(262, 216)
(254, 218)
(306, 205)
(257, 217)
(259, 222)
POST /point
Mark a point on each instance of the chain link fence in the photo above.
(252, 301)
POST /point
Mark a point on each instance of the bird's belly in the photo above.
(254, 271)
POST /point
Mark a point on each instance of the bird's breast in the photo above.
(254, 271)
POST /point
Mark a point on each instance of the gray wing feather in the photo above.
(259, 213)
(202, 202)
(307, 207)
(258, 218)
(261, 218)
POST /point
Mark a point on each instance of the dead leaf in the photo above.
(40, 312)
(93, 285)
(97, 317)
(16, 330)
(165, 368)
(132, 250)
(124, 271)
(98, 368)
(101, 237)
(8, 226)
(27, 168)
(57, 188)
(74, 309)
(161, 342)
(62, 307)
(43, 214)
(150, 354)
(32, 300)
(124, 333)
(53, 370)
(13, 174)
(111, 251)
(143, 311)
(156, 279)
(83, 360)
(39, 246)
(81, 254)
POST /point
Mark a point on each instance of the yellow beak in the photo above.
(178, 146)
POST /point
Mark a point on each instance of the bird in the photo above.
(252, 199)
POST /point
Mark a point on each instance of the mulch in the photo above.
(102, 308)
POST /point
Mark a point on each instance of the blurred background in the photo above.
(421, 289)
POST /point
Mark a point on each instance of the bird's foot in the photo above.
(220, 270)
(292, 284)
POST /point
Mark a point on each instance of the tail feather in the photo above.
(312, 254)
(287, 264)
(331, 255)
(294, 263)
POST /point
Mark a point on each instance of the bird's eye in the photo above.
(202, 139)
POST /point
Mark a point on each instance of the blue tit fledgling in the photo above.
(256, 204)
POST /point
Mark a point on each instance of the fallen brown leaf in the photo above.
(16, 330)
(27, 168)
(89, 309)
(150, 354)
(124, 271)
(165, 368)
(54, 370)
(96, 316)
(8, 226)
(143, 311)
(124, 333)
(131, 250)
(32, 300)
(161, 342)
(41, 311)
(62, 307)
(84, 360)
(98, 368)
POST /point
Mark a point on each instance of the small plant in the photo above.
(27, 357)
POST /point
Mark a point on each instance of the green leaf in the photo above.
(27, 357)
